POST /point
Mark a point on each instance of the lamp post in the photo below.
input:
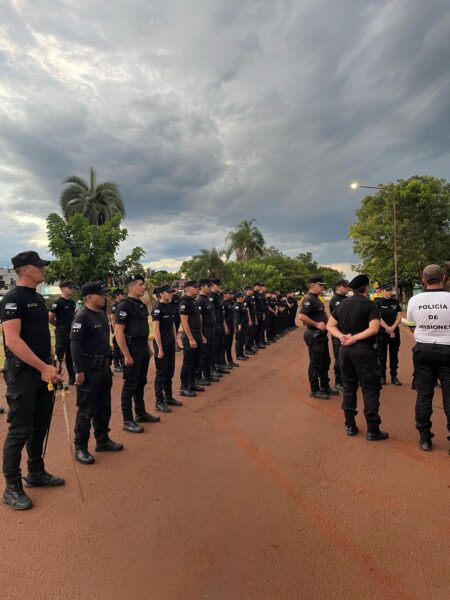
(354, 186)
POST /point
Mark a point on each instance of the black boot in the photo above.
(147, 418)
(132, 427)
(108, 446)
(171, 401)
(83, 456)
(202, 381)
(196, 388)
(425, 442)
(186, 392)
(396, 381)
(161, 406)
(43, 479)
(351, 429)
(376, 435)
(15, 497)
(2, 410)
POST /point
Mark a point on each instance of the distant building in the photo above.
(8, 279)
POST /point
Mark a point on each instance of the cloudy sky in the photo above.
(207, 112)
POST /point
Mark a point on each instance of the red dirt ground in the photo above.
(250, 491)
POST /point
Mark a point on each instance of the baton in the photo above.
(62, 393)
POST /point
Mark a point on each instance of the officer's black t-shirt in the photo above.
(259, 303)
(218, 307)
(190, 308)
(335, 301)
(389, 309)
(228, 306)
(64, 309)
(89, 334)
(313, 308)
(26, 304)
(250, 303)
(240, 313)
(163, 314)
(133, 313)
(207, 311)
(354, 315)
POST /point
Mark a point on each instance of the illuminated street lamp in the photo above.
(354, 186)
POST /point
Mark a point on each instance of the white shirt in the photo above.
(429, 313)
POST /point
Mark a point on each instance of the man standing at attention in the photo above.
(313, 315)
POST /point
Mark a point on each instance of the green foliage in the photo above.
(294, 273)
(329, 275)
(242, 273)
(97, 202)
(423, 229)
(157, 278)
(208, 263)
(246, 241)
(85, 252)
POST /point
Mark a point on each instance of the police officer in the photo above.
(205, 375)
(228, 306)
(220, 329)
(91, 353)
(174, 304)
(389, 334)
(60, 315)
(27, 369)
(271, 317)
(118, 295)
(260, 309)
(355, 323)
(165, 339)
(250, 335)
(241, 320)
(313, 315)
(192, 339)
(132, 334)
(428, 314)
(340, 294)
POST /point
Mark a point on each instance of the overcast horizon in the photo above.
(206, 114)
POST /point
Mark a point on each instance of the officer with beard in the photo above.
(340, 294)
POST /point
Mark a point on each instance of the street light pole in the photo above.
(355, 185)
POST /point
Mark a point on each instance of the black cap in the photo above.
(133, 278)
(28, 258)
(68, 284)
(204, 281)
(248, 287)
(117, 292)
(216, 281)
(190, 283)
(359, 281)
(341, 282)
(227, 291)
(93, 287)
(316, 279)
(163, 288)
(239, 294)
(387, 286)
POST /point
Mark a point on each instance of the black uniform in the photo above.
(271, 319)
(251, 330)
(317, 342)
(29, 401)
(334, 303)
(91, 354)
(175, 310)
(359, 364)
(64, 311)
(117, 355)
(208, 314)
(260, 309)
(241, 326)
(165, 367)
(219, 330)
(389, 309)
(133, 313)
(189, 307)
(228, 306)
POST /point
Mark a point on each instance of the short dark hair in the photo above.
(361, 289)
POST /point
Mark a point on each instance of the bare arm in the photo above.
(19, 348)
(157, 336)
(187, 330)
(307, 321)
(119, 332)
(52, 318)
(333, 328)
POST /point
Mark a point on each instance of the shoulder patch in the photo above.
(122, 313)
(10, 306)
(156, 311)
(54, 305)
(76, 326)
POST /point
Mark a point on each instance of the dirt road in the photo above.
(250, 491)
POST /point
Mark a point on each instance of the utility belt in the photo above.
(95, 361)
(14, 365)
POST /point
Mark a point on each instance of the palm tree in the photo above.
(97, 202)
(246, 241)
(205, 264)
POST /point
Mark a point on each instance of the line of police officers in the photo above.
(209, 320)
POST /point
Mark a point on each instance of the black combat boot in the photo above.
(15, 497)
(425, 442)
(43, 479)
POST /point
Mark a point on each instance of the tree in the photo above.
(85, 252)
(423, 229)
(246, 241)
(157, 278)
(242, 273)
(97, 202)
(307, 260)
(294, 272)
(329, 275)
(207, 263)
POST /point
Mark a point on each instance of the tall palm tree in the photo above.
(207, 263)
(246, 241)
(97, 202)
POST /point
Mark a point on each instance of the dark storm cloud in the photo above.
(208, 113)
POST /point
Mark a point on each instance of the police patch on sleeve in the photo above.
(76, 326)
(182, 308)
(10, 306)
(156, 311)
(122, 313)
(54, 305)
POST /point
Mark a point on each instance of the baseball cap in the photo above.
(67, 284)
(343, 282)
(316, 279)
(93, 287)
(28, 258)
(190, 283)
(133, 278)
(163, 288)
(359, 281)
(387, 286)
(433, 274)
(204, 281)
(216, 281)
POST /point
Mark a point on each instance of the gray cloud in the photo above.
(208, 113)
